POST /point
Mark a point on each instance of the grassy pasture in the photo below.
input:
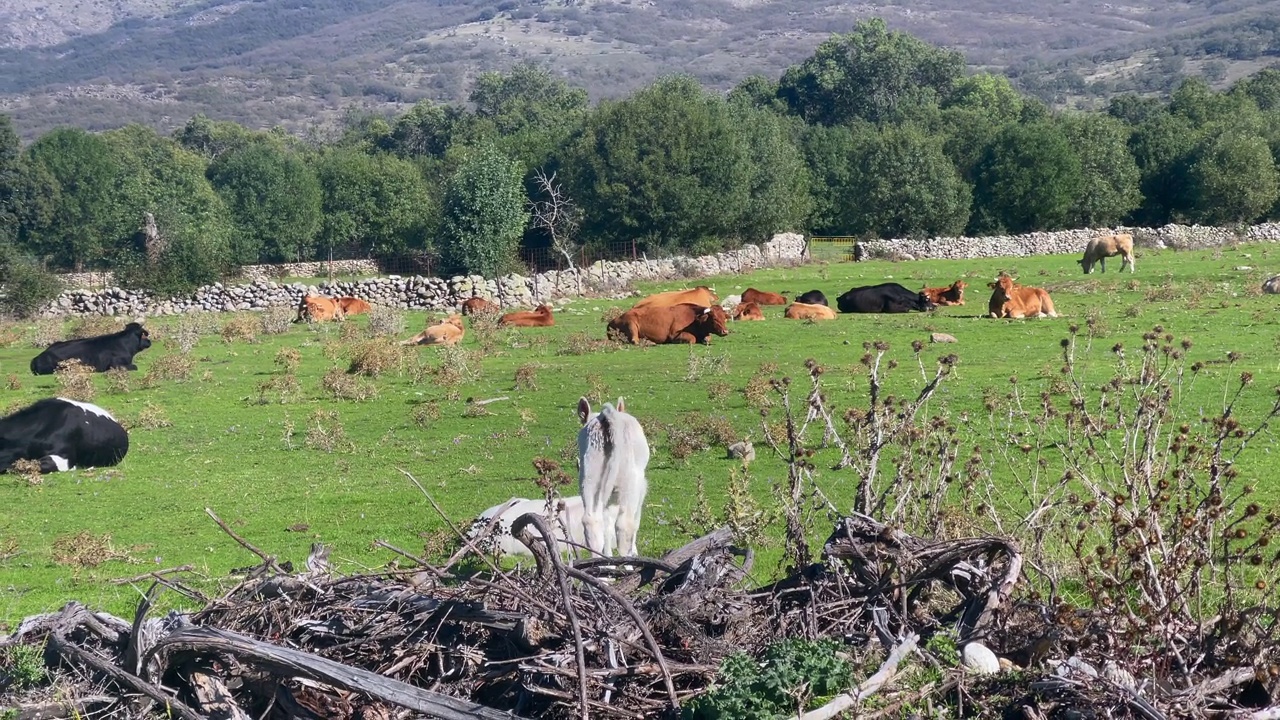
(278, 474)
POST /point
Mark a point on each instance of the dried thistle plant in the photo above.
(13, 382)
(373, 358)
(326, 433)
(341, 385)
(240, 326)
(173, 366)
(117, 381)
(386, 322)
(424, 414)
(75, 380)
(276, 320)
(527, 377)
(28, 470)
(288, 359)
(46, 332)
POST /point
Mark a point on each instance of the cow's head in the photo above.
(715, 320)
(959, 286)
(923, 303)
(1003, 287)
(584, 409)
(144, 337)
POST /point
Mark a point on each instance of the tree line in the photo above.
(877, 134)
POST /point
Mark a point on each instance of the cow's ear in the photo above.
(584, 410)
(621, 406)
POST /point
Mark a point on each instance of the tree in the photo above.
(10, 178)
(1161, 148)
(870, 74)
(778, 186)
(757, 91)
(27, 286)
(427, 129)
(667, 167)
(828, 152)
(1263, 86)
(86, 217)
(274, 199)
(903, 185)
(1232, 178)
(1029, 179)
(1109, 175)
(211, 138)
(992, 95)
(526, 113)
(553, 213)
(376, 204)
(483, 213)
(1134, 109)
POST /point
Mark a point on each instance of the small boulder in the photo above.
(942, 338)
(979, 660)
(744, 451)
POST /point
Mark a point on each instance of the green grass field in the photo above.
(255, 466)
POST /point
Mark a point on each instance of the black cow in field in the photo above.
(883, 298)
(62, 434)
(101, 353)
(813, 297)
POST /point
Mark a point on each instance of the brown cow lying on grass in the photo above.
(953, 295)
(751, 295)
(474, 305)
(1010, 300)
(748, 311)
(353, 306)
(701, 295)
(1105, 246)
(447, 332)
(683, 323)
(805, 311)
(539, 317)
(318, 308)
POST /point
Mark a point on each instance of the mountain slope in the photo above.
(302, 63)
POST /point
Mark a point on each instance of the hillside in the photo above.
(303, 63)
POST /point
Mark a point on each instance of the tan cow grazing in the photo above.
(683, 323)
(447, 332)
(474, 305)
(354, 306)
(748, 311)
(762, 298)
(805, 311)
(1105, 246)
(1010, 300)
(318, 308)
(539, 317)
(953, 295)
(701, 295)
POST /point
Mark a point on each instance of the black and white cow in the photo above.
(101, 353)
(62, 434)
(883, 298)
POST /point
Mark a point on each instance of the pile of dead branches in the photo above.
(631, 638)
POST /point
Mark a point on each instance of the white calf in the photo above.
(565, 521)
(612, 456)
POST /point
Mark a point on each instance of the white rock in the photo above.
(979, 660)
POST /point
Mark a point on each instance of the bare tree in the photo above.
(558, 217)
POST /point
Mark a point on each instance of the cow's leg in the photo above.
(685, 337)
(1102, 263)
(1128, 257)
(612, 541)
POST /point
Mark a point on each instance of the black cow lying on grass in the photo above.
(883, 298)
(62, 434)
(101, 353)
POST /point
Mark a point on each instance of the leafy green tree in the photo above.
(28, 286)
(828, 151)
(1263, 86)
(427, 129)
(86, 217)
(10, 179)
(211, 138)
(161, 178)
(903, 185)
(1134, 109)
(1029, 179)
(528, 112)
(484, 213)
(274, 199)
(992, 95)
(757, 91)
(667, 167)
(1109, 186)
(1232, 178)
(779, 197)
(1161, 148)
(378, 204)
(870, 74)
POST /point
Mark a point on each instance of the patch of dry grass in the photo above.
(289, 359)
(585, 343)
(11, 334)
(85, 550)
(426, 413)
(75, 380)
(326, 433)
(280, 389)
(151, 417)
(240, 326)
(340, 385)
(527, 377)
(27, 470)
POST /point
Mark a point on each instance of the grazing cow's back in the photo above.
(318, 308)
(541, 317)
(565, 520)
(1105, 246)
(760, 297)
(813, 297)
(701, 295)
(748, 311)
(684, 323)
(1010, 300)
(353, 306)
(474, 305)
(62, 434)
(612, 456)
(882, 298)
(950, 295)
(804, 311)
(447, 332)
(102, 353)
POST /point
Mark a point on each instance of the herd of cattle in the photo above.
(60, 434)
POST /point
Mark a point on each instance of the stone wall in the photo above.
(1181, 237)
(429, 293)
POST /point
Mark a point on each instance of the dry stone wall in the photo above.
(428, 293)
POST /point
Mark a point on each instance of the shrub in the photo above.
(527, 377)
(386, 322)
(92, 326)
(326, 433)
(22, 665)
(151, 417)
(426, 413)
(117, 381)
(28, 470)
(27, 286)
(790, 676)
(281, 388)
(173, 366)
(289, 359)
(240, 326)
(372, 358)
(46, 332)
(276, 320)
(343, 386)
(75, 380)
